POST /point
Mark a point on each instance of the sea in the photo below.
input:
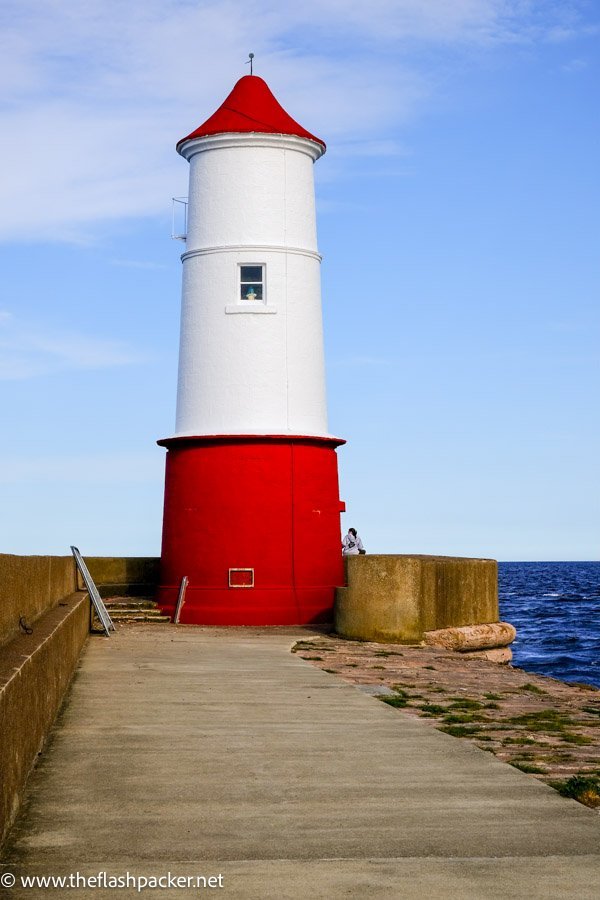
(555, 607)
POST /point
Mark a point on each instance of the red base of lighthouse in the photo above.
(254, 523)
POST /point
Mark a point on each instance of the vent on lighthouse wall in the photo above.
(241, 578)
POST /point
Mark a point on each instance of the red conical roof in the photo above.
(251, 107)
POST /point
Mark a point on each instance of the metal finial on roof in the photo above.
(249, 61)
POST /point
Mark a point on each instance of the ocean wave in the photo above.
(555, 609)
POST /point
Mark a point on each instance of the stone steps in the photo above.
(132, 616)
(131, 609)
(129, 603)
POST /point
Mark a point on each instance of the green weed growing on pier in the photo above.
(397, 701)
(584, 788)
(569, 737)
(465, 703)
(548, 720)
(460, 730)
(461, 718)
(432, 709)
(529, 768)
(532, 688)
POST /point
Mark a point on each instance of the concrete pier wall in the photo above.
(29, 587)
(393, 598)
(47, 595)
(36, 668)
(123, 576)
(35, 672)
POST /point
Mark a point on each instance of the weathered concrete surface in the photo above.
(550, 727)
(392, 598)
(29, 586)
(35, 671)
(204, 751)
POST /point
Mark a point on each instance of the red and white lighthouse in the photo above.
(252, 508)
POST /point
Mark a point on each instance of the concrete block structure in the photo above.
(398, 599)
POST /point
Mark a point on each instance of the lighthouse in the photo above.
(252, 507)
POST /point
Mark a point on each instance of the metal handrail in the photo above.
(98, 604)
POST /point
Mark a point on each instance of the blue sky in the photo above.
(459, 223)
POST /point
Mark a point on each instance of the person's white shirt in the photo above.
(352, 544)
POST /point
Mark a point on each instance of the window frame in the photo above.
(262, 282)
(241, 305)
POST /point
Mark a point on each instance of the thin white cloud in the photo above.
(95, 94)
(575, 65)
(390, 20)
(28, 351)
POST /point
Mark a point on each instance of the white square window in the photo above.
(251, 290)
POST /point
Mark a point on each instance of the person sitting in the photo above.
(352, 544)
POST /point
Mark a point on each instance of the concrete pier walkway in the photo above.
(218, 752)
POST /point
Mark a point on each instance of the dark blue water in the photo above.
(555, 607)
